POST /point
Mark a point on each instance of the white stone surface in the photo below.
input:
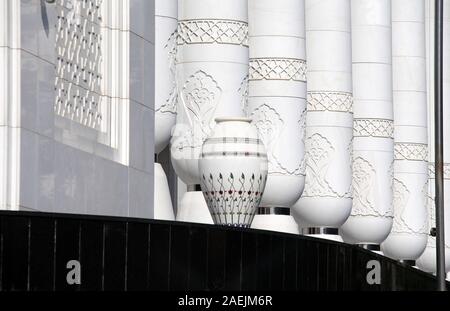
(163, 202)
(212, 70)
(59, 153)
(370, 221)
(277, 100)
(166, 93)
(326, 200)
(277, 94)
(427, 261)
(408, 237)
(212, 67)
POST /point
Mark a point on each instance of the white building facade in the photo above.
(77, 106)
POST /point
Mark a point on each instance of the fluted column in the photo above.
(277, 103)
(212, 70)
(408, 237)
(373, 146)
(427, 260)
(326, 200)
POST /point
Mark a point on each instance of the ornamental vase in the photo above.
(233, 171)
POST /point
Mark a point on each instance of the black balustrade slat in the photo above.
(179, 258)
(322, 267)
(137, 256)
(249, 260)
(1, 253)
(301, 265)
(115, 256)
(290, 264)
(92, 255)
(67, 249)
(42, 261)
(276, 263)
(332, 269)
(15, 234)
(159, 263)
(263, 261)
(198, 258)
(216, 258)
(233, 260)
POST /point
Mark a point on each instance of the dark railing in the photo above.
(130, 254)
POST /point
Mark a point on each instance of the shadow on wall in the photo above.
(44, 16)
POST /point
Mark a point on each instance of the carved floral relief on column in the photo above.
(211, 66)
(277, 94)
(170, 104)
(319, 154)
(200, 96)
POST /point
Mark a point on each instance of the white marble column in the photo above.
(166, 22)
(212, 71)
(408, 237)
(427, 260)
(277, 104)
(373, 146)
(326, 200)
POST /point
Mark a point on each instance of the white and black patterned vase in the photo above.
(233, 170)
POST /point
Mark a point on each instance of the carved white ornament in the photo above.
(213, 31)
(243, 91)
(411, 152)
(381, 128)
(278, 69)
(401, 198)
(432, 170)
(170, 106)
(270, 126)
(330, 101)
(319, 153)
(199, 98)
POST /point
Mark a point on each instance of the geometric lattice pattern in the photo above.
(213, 31)
(278, 69)
(381, 128)
(330, 101)
(432, 171)
(79, 61)
(411, 152)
